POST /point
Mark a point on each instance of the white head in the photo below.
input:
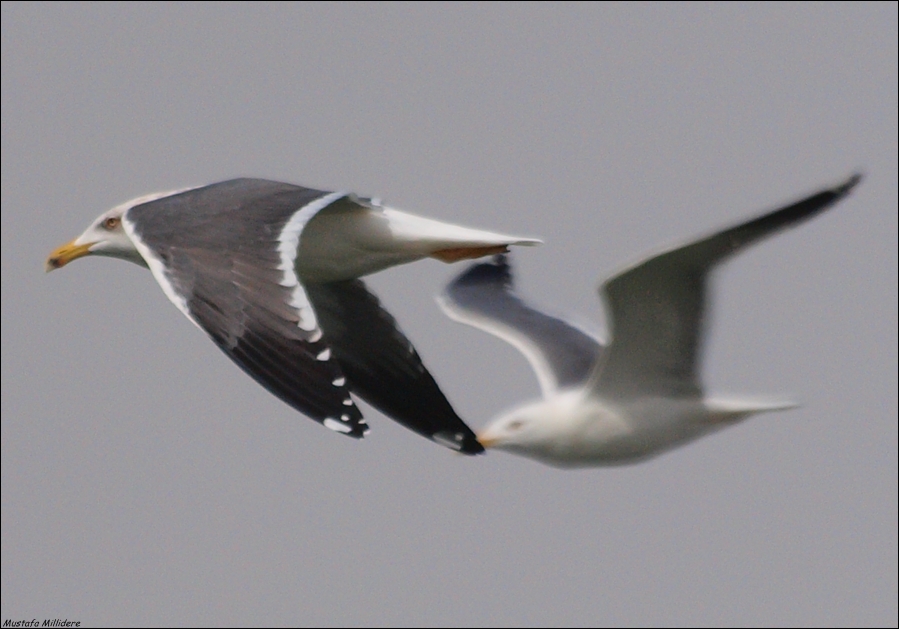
(106, 236)
(517, 429)
(544, 430)
(566, 430)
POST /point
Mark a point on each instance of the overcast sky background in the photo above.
(147, 480)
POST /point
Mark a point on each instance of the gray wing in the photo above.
(228, 254)
(383, 367)
(656, 308)
(482, 296)
(245, 311)
(218, 255)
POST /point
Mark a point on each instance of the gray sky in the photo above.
(147, 480)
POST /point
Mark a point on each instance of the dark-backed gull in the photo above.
(641, 394)
(269, 271)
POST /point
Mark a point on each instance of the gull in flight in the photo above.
(641, 394)
(270, 271)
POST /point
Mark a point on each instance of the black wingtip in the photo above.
(497, 271)
(850, 183)
(458, 441)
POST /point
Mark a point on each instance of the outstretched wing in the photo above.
(656, 307)
(483, 297)
(382, 366)
(225, 255)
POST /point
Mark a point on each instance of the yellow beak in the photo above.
(65, 254)
(486, 440)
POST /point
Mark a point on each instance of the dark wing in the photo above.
(382, 366)
(483, 297)
(656, 308)
(244, 310)
(225, 255)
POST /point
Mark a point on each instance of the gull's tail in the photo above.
(727, 410)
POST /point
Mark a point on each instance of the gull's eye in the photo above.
(111, 223)
(515, 424)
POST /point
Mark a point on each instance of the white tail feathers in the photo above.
(735, 409)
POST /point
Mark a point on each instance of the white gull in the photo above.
(640, 395)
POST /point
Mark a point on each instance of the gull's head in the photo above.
(569, 429)
(534, 430)
(106, 236)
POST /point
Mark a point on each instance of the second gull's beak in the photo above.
(486, 440)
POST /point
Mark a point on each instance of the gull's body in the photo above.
(641, 394)
(269, 270)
